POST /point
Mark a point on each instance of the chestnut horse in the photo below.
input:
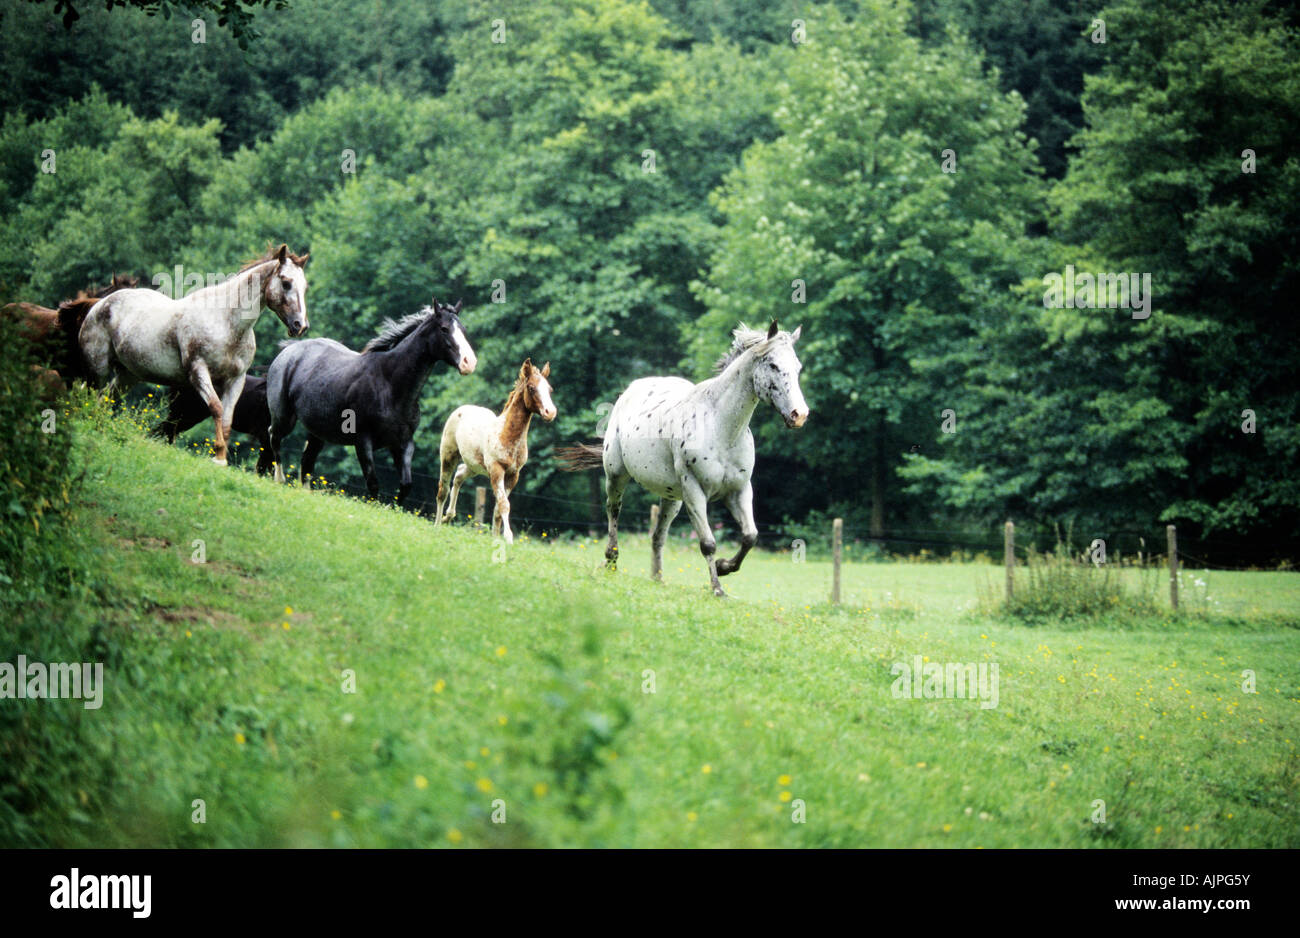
(54, 332)
(484, 443)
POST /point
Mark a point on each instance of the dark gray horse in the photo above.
(368, 399)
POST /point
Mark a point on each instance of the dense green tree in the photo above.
(153, 64)
(1041, 48)
(1164, 184)
(126, 206)
(899, 258)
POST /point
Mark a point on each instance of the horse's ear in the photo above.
(772, 330)
(794, 336)
(282, 253)
(302, 261)
(434, 305)
(546, 370)
(456, 308)
(525, 368)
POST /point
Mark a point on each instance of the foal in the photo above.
(494, 445)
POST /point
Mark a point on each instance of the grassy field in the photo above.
(337, 673)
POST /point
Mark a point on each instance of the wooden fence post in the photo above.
(654, 519)
(837, 541)
(480, 504)
(1009, 557)
(1172, 533)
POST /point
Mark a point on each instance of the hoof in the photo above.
(219, 462)
(719, 592)
(657, 576)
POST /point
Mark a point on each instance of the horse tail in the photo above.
(580, 457)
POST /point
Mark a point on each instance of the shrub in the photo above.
(1056, 586)
(48, 770)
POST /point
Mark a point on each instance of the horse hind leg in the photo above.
(668, 509)
(280, 427)
(96, 347)
(366, 456)
(458, 479)
(402, 460)
(614, 486)
(309, 454)
(445, 508)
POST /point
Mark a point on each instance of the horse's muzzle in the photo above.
(795, 419)
(467, 365)
(297, 330)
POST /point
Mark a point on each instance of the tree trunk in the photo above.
(878, 482)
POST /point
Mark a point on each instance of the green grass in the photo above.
(524, 681)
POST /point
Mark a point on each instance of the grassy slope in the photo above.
(455, 706)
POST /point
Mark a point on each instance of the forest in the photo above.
(1043, 254)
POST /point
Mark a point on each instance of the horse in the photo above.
(364, 399)
(54, 332)
(204, 340)
(252, 416)
(484, 443)
(691, 444)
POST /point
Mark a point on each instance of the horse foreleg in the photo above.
(402, 459)
(504, 485)
(202, 383)
(741, 506)
(697, 507)
(496, 477)
(668, 508)
(229, 398)
(614, 486)
(275, 446)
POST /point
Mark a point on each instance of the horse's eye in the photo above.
(287, 284)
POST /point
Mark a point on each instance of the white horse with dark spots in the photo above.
(204, 340)
(690, 444)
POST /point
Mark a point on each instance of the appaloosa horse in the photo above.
(691, 444)
(204, 340)
(186, 409)
(363, 399)
(484, 443)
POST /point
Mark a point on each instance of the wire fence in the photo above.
(529, 511)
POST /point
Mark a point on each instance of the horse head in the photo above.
(776, 375)
(285, 291)
(535, 389)
(449, 342)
